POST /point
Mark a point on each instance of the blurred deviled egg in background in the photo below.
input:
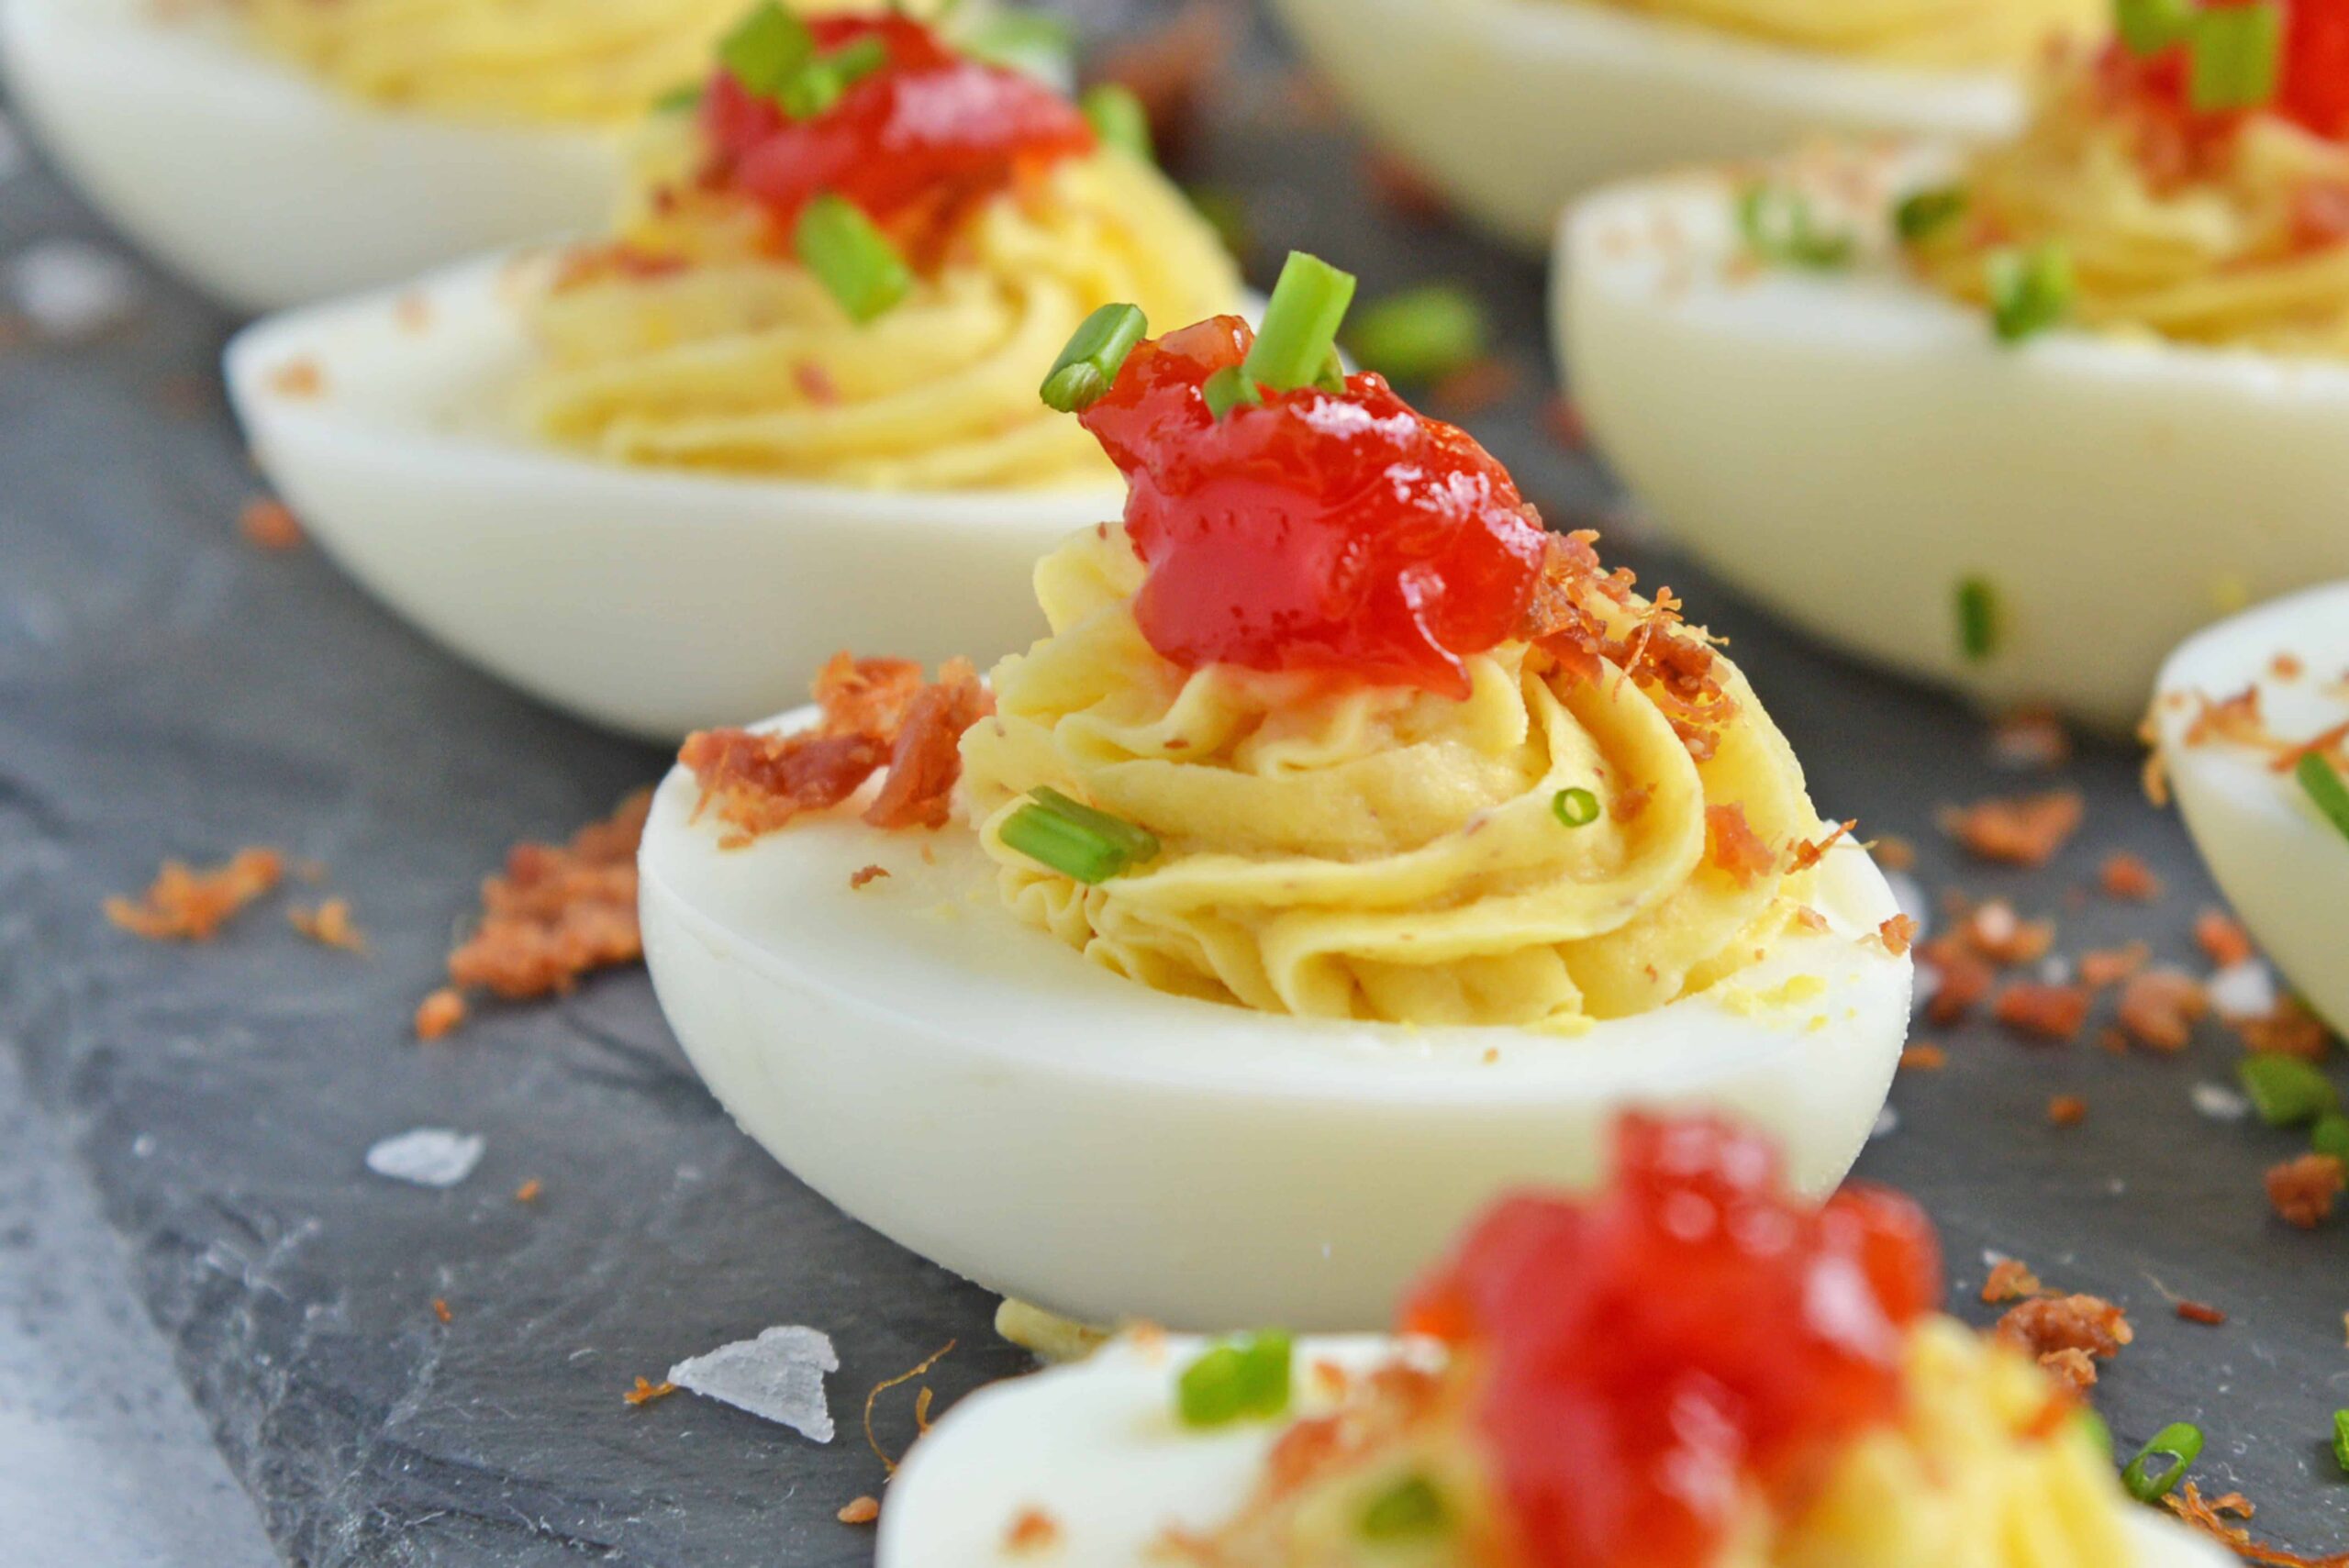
(790, 403)
(1513, 106)
(2015, 420)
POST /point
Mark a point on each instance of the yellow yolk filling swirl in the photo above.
(711, 348)
(2214, 257)
(1940, 34)
(1341, 850)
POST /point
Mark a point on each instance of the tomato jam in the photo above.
(2312, 85)
(1653, 1353)
(1315, 530)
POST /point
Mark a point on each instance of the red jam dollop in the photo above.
(928, 131)
(2312, 88)
(1339, 532)
(1652, 1353)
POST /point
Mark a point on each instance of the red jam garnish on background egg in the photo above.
(926, 132)
(1315, 530)
(1652, 1353)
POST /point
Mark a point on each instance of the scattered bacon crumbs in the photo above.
(2287, 667)
(865, 876)
(270, 524)
(1564, 421)
(2302, 1190)
(2159, 1007)
(299, 377)
(2022, 830)
(1898, 933)
(329, 925)
(1996, 932)
(921, 1403)
(1405, 192)
(2011, 1280)
(558, 911)
(2290, 1030)
(1894, 852)
(2045, 1012)
(2124, 875)
(2072, 1370)
(1963, 979)
(2066, 1111)
(2188, 1505)
(2067, 1333)
(440, 1310)
(530, 1190)
(188, 905)
(1492, 1054)
(1807, 919)
(438, 1015)
(1807, 855)
(2200, 1312)
(2031, 737)
(2221, 937)
(860, 1511)
(1627, 804)
(646, 1391)
(1031, 1529)
(2100, 967)
(1924, 1057)
(1731, 844)
(1571, 615)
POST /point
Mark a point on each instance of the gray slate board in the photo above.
(165, 690)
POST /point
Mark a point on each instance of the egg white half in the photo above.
(1847, 445)
(1513, 106)
(979, 1092)
(1096, 1447)
(261, 187)
(654, 600)
(2283, 865)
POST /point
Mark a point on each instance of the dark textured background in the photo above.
(165, 690)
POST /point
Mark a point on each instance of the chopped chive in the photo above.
(1117, 118)
(2149, 26)
(1575, 807)
(2030, 289)
(1978, 619)
(1923, 214)
(2331, 1135)
(1419, 334)
(818, 86)
(2285, 1090)
(678, 100)
(2235, 55)
(853, 259)
(1410, 1508)
(1778, 228)
(1301, 320)
(2322, 783)
(1035, 42)
(2180, 1443)
(766, 47)
(1229, 388)
(1090, 363)
(1332, 378)
(1079, 842)
(1244, 1377)
(2341, 1438)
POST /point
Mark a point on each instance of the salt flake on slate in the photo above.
(428, 1156)
(779, 1376)
(2245, 990)
(68, 289)
(2220, 1102)
(1887, 1122)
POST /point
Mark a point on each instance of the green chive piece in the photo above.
(1978, 619)
(2180, 1443)
(1409, 1509)
(2149, 26)
(766, 49)
(1778, 229)
(2341, 1438)
(1242, 1378)
(2331, 1135)
(679, 100)
(1309, 300)
(1079, 842)
(852, 258)
(2030, 289)
(1575, 807)
(1117, 118)
(1095, 351)
(1229, 388)
(1421, 334)
(819, 84)
(2322, 783)
(2285, 1090)
(1923, 214)
(1332, 378)
(2097, 1432)
(2235, 56)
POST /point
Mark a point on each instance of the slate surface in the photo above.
(165, 690)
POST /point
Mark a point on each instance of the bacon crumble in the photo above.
(2302, 1191)
(859, 1511)
(2159, 1007)
(2010, 1279)
(329, 925)
(185, 903)
(1808, 854)
(2068, 1334)
(1898, 933)
(2044, 1011)
(557, 912)
(2067, 1111)
(269, 523)
(1664, 657)
(2021, 830)
(865, 877)
(2201, 1312)
(438, 1015)
(1031, 1530)
(1731, 844)
(2127, 876)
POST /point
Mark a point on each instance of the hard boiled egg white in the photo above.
(1847, 445)
(1095, 1447)
(978, 1092)
(1513, 106)
(2283, 865)
(649, 600)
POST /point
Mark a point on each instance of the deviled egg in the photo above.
(1642, 1379)
(1350, 850)
(2251, 718)
(1514, 106)
(2014, 421)
(657, 478)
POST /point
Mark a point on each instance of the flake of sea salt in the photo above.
(2055, 970)
(779, 1376)
(2220, 1102)
(2245, 990)
(1887, 1122)
(67, 289)
(428, 1156)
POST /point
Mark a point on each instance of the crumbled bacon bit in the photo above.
(2100, 967)
(1807, 919)
(1963, 979)
(2071, 1369)
(1405, 192)
(2031, 737)
(2187, 1503)
(558, 912)
(860, 1511)
(2159, 1007)
(1031, 1530)
(1563, 422)
(2287, 667)
(269, 523)
(2065, 1331)
(441, 1309)
(2010, 1279)
(187, 904)
(2289, 1030)
(2222, 939)
(329, 925)
(1627, 804)
(2023, 830)
(1996, 932)
(865, 876)
(1894, 852)
(816, 383)
(927, 760)
(1808, 854)
(2302, 1190)
(2154, 779)
(646, 1391)
(1731, 844)
(1668, 659)
(1898, 932)
(299, 377)
(1924, 1057)
(438, 1015)
(528, 1191)
(2125, 876)
(2066, 1111)
(2045, 1012)
(2200, 1312)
